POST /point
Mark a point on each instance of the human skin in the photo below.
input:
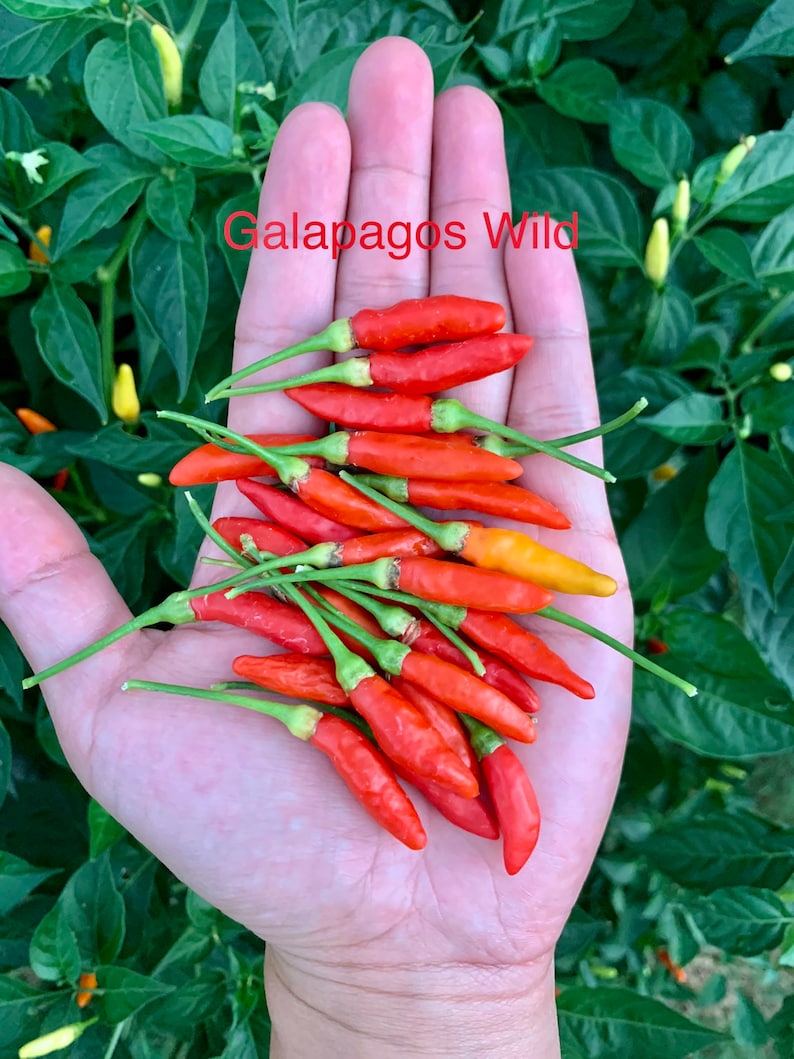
(373, 950)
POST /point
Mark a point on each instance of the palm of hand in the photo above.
(249, 817)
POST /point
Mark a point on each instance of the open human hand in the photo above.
(369, 944)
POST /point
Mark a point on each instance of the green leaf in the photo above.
(577, 19)
(773, 253)
(326, 79)
(236, 260)
(64, 165)
(695, 419)
(749, 1025)
(740, 710)
(17, 879)
(286, 12)
(104, 831)
(14, 271)
(769, 406)
(158, 449)
(763, 183)
(6, 758)
(22, 1007)
(169, 282)
(95, 911)
(650, 140)
(741, 920)
(581, 88)
(191, 139)
(670, 321)
(727, 251)
(772, 34)
(544, 49)
(634, 450)
(723, 850)
(16, 129)
(68, 343)
(233, 58)
(169, 203)
(45, 9)
(29, 47)
(124, 86)
(773, 628)
(609, 225)
(750, 486)
(125, 992)
(100, 198)
(604, 1023)
(665, 548)
(54, 954)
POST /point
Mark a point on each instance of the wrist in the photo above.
(448, 1012)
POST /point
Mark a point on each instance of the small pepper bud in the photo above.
(731, 161)
(681, 207)
(88, 984)
(35, 253)
(781, 372)
(53, 1042)
(150, 480)
(657, 252)
(125, 401)
(170, 63)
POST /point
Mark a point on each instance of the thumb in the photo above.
(55, 597)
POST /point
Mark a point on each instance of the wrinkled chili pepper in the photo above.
(490, 498)
(507, 551)
(291, 513)
(209, 463)
(512, 795)
(514, 644)
(278, 622)
(299, 676)
(266, 536)
(414, 322)
(429, 370)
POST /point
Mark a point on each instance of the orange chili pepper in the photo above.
(675, 969)
(88, 984)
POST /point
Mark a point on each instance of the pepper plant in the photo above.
(661, 133)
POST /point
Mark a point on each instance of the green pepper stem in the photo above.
(451, 415)
(484, 740)
(644, 663)
(389, 654)
(174, 609)
(450, 536)
(301, 720)
(506, 448)
(337, 337)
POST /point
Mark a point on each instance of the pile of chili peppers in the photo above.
(399, 650)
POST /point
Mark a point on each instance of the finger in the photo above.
(56, 598)
(390, 114)
(289, 293)
(554, 387)
(470, 182)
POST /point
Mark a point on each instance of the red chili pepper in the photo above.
(512, 795)
(427, 638)
(293, 514)
(675, 969)
(516, 645)
(266, 536)
(442, 718)
(401, 544)
(299, 676)
(491, 498)
(445, 582)
(414, 322)
(210, 463)
(470, 814)
(370, 777)
(278, 622)
(330, 496)
(656, 647)
(409, 455)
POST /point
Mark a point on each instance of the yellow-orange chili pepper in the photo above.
(513, 552)
(35, 253)
(88, 983)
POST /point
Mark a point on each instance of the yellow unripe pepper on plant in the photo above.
(124, 400)
(730, 162)
(680, 212)
(35, 253)
(781, 372)
(53, 1042)
(657, 252)
(170, 63)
